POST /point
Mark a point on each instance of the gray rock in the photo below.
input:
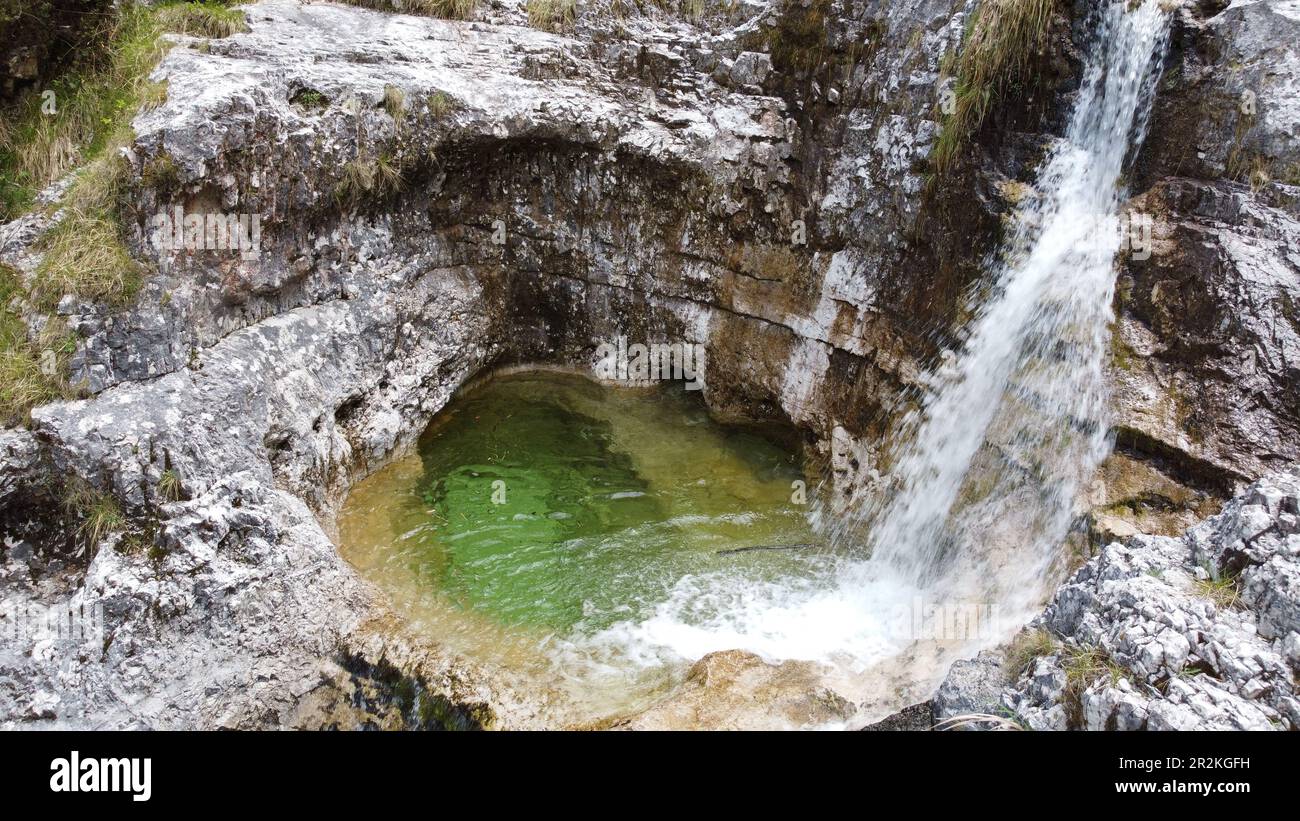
(972, 686)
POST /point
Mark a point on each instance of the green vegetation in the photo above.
(1085, 666)
(440, 105)
(84, 123)
(1003, 40)
(98, 512)
(169, 485)
(1026, 648)
(32, 371)
(551, 15)
(89, 113)
(310, 98)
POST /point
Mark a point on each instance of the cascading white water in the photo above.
(988, 469)
(1015, 421)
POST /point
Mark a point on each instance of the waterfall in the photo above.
(1011, 425)
(988, 470)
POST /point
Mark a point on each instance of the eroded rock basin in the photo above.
(627, 560)
(566, 530)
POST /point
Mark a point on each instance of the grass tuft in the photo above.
(1002, 44)
(1222, 589)
(446, 9)
(169, 485)
(441, 104)
(98, 512)
(367, 177)
(552, 15)
(1085, 666)
(1026, 647)
(394, 102)
(207, 19)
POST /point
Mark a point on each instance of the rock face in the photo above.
(439, 198)
(1156, 633)
(1207, 371)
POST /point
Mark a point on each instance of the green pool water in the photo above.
(543, 505)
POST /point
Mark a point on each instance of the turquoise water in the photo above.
(547, 502)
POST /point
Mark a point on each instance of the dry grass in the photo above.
(552, 15)
(394, 102)
(446, 9)
(1222, 589)
(1002, 43)
(1027, 647)
(978, 721)
(208, 19)
(367, 177)
(85, 254)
